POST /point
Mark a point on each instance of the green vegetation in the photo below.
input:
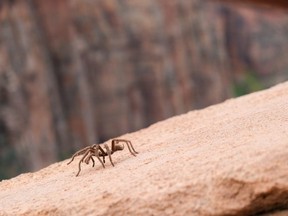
(9, 161)
(250, 83)
(8, 167)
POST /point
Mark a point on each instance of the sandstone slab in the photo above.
(227, 159)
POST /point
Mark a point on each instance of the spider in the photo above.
(97, 151)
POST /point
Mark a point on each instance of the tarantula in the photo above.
(97, 151)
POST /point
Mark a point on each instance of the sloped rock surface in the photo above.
(227, 159)
(71, 70)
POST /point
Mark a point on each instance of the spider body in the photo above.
(97, 151)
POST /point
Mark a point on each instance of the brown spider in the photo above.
(97, 151)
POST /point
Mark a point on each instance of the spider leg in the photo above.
(113, 146)
(93, 161)
(132, 147)
(102, 153)
(82, 151)
(127, 143)
(79, 165)
(89, 156)
(96, 154)
(122, 140)
(109, 153)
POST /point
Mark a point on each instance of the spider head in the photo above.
(119, 147)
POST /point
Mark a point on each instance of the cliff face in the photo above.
(274, 4)
(76, 72)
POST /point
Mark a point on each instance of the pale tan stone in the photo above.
(227, 159)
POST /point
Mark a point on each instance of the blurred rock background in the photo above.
(77, 72)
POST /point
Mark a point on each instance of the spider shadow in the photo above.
(88, 167)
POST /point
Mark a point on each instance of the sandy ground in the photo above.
(227, 159)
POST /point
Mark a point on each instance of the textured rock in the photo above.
(74, 72)
(280, 4)
(227, 159)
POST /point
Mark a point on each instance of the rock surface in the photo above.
(71, 70)
(227, 159)
(280, 4)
